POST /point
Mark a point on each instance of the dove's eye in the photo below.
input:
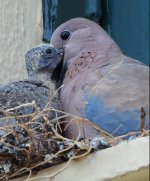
(65, 35)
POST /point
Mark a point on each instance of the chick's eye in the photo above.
(49, 51)
(65, 35)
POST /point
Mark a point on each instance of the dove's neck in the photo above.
(95, 53)
(90, 57)
(105, 49)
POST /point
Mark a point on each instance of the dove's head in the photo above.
(42, 61)
(81, 35)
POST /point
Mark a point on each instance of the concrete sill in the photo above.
(128, 161)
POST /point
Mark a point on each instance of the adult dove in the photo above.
(101, 84)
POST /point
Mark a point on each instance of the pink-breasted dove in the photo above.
(101, 84)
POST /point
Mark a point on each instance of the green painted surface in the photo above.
(128, 24)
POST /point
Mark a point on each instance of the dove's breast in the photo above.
(110, 96)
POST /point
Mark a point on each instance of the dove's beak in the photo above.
(51, 59)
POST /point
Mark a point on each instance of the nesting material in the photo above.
(29, 146)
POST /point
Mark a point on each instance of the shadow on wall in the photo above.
(127, 22)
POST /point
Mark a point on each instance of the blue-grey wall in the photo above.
(127, 21)
(128, 24)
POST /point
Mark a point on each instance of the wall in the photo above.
(128, 24)
(21, 29)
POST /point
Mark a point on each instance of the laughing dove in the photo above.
(100, 83)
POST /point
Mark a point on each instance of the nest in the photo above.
(37, 143)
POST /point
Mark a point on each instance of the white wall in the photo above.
(20, 29)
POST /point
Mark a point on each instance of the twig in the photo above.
(22, 105)
(143, 114)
